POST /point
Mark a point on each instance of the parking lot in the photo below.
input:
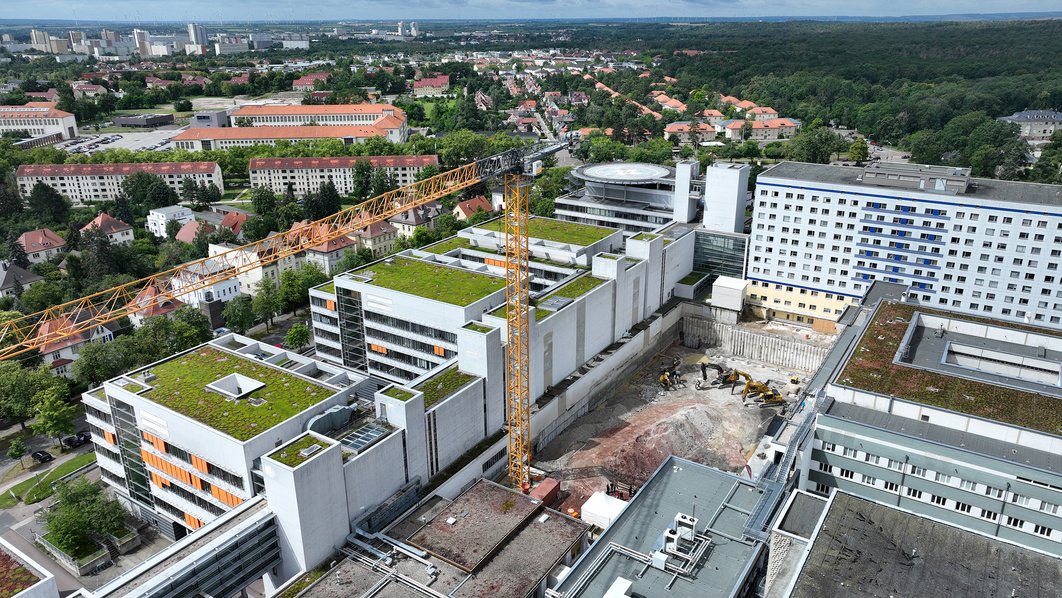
(95, 142)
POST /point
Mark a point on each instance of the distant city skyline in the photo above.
(283, 10)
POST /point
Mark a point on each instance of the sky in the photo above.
(213, 10)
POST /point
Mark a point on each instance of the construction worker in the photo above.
(665, 380)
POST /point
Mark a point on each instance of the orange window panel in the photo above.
(192, 521)
(197, 483)
(378, 349)
(440, 351)
(109, 437)
(331, 305)
(200, 464)
(494, 262)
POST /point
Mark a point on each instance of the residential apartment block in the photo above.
(84, 183)
(38, 119)
(822, 234)
(306, 175)
(384, 117)
(207, 139)
(159, 218)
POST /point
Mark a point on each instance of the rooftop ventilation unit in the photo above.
(310, 450)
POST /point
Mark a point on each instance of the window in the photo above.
(822, 488)
(967, 485)
(871, 458)
(825, 467)
(914, 493)
(869, 480)
(943, 478)
(894, 464)
(939, 500)
(1019, 499)
(1042, 530)
(1049, 507)
(989, 515)
(892, 487)
(993, 492)
(850, 452)
(829, 446)
(847, 474)
(918, 471)
(962, 507)
(1015, 522)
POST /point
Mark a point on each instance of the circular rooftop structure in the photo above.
(624, 173)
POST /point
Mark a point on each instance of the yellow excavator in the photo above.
(761, 392)
(735, 377)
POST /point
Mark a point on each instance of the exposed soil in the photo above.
(629, 434)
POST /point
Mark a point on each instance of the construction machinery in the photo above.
(720, 378)
(31, 332)
(736, 376)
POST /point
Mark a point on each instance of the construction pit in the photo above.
(626, 436)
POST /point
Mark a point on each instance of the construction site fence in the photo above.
(791, 354)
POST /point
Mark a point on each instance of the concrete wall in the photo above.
(455, 425)
(481, 354)
(374, 475)
(753, 345)
(467, 475)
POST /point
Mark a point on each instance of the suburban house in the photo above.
(61, 353)
(116, 230)
(424, 215)
(10, 274)
(41, 244)
(144, 299)
(465, 209)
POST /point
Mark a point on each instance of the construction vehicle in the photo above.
(735, 377)
(756, 391)
(32, 332)
(704, 382)
(774, 399)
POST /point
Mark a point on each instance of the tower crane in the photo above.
(37, 330)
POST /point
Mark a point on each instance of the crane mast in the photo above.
(517, 348)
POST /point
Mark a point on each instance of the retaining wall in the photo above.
(758, 346)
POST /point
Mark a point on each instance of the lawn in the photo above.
(39, 487)
(290, 454)
(181, 382)
(397, 393)
(429, 107)
(443, 384)
(432, 281)
(449, 245)
(14, 577)
(478, 327)
(871, 368)
(558, 231)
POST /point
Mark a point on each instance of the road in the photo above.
(545, 128)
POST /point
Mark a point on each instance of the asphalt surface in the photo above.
(131, 141)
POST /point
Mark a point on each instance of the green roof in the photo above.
(572, 290)
(432, 281)
(443, 384)
(290, 455)
(328, 287)
(478, 327)
(398, 393)
(181, 381)
(449, 245)
(14, 577)
(556, 230)
(645, 237)
(692, 278)
(871, 368)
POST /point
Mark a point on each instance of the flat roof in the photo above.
(300, 450)
(1007, 191)
(870, 367)
(803, 515)
(430, 280)
(721, 501)
(558, 231)
(180, 383)
(867, 549)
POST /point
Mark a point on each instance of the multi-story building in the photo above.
(208, 139)
(192, 285)
(14, 279)
(38, 119)
(42, 244)
(257, 265)
(950, 416)
(1036, 126)
(159, 219)
(822, 234)
(61, 352)
(306, 175)
(197, 34)
(116, 231)
(429, 87)
(84, 183)
(149, 305)
(384, 117)
(309, 81)
(424, 216)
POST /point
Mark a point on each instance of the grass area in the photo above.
(84, 552)
(39, 487)
(692, 278)
(558, 231)
(429, 107)
(609, 256)
(14, 577)
(163, 109)
(871, 368)
(478, 327)
(181, 382)
(397, 393)
(291, 456)
(304, 582)
(443, 384)
(644, 237)
(449, 245)
(432, 281)
(328, 287)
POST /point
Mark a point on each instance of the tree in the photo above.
(858, 150)
(20, 389)
(362, 179)
(191, 327)
(41, 295)
(263, 201)
(55, 417)
(182, 105)
(815, 145)
(298, 336)
(172, 228)
(353, 259)
(10, 202)
(102, 361)
(267, 301)
(328, 200)
(82, 515)
(295, 284)
(17, 449)
(48, 204)
(258, 227)
(16, 253)
(189, 190)
(238, 314)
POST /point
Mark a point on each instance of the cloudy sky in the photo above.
(214, 10)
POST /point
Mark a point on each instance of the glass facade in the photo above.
(719, 254)
(352, 328)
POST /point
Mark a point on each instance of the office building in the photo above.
(142, 41)
(206, 138)
(306, 175)
(946, 415)
(38, 119)
(381, 116)
(84, 183)
(822, 234)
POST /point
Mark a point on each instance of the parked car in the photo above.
(84, 435)
(221, 331)
(72, 442)
(42, 456)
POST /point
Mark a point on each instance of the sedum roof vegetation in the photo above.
(181, 382)
(476, 326)
(871, 368)
(14, 576)
(432, 281)
(290, 455)
(398, 393)
(692, 278)
(558, 231)
(443, 384)
(449, 245)
(573, 290)
(328, 287)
